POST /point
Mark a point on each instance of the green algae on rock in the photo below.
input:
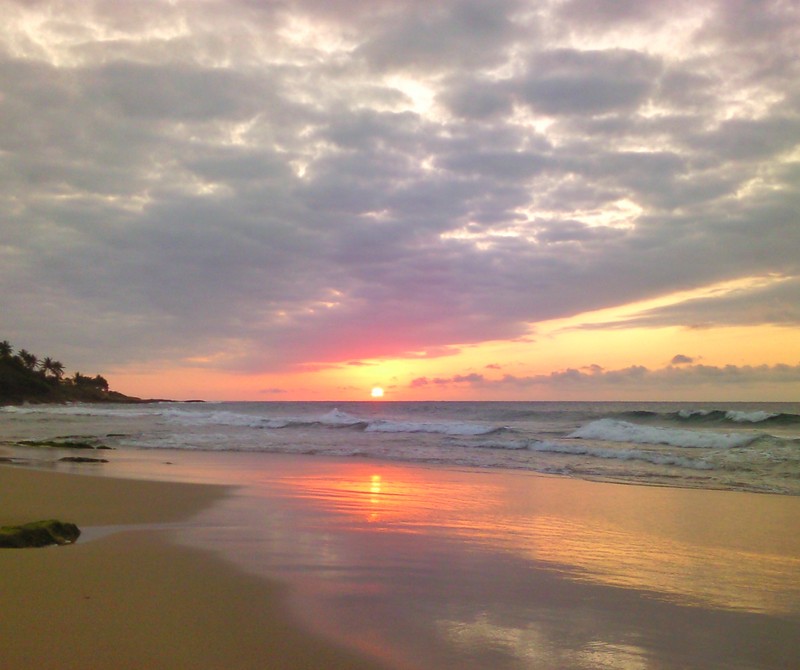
(38, 534)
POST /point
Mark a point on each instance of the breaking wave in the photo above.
(333, 419)
(621, 454)
(611, 430)
(736, 416)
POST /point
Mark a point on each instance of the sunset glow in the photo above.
(600, 533)
(570, 200)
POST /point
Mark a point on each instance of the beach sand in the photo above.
(419, 568)
(134, 599)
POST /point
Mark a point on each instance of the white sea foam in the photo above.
(612, 430)
(225, 418)
(689, 413)
(213, 418)
(749, 417)
(337, 417)
(737, 416)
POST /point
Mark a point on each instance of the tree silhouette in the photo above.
(44, 365)
(27, 359)
(55, 368)
(24, 376)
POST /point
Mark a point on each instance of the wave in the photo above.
(333, 419)
(718, 416)
(734, 416)
(338, 418)
(80, 410)
(592, 452)
(220, 418)
(611, 430)
(620, 454)
(226, 418)
(443, 428)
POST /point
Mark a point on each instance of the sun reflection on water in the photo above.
(631, 537)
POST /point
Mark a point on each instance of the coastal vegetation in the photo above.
(26, 377)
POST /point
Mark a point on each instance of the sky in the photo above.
(450, 199)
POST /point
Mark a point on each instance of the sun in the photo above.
(376, 392)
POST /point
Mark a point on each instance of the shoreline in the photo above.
(682, 446)
(296, 555)
(136, 598)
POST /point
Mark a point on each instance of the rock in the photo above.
(81, 459)
(38, 534)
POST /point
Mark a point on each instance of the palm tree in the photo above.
(28, 359)
(44, 365)
(55, 368)
(5, 349)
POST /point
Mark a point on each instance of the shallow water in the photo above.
(754, 447)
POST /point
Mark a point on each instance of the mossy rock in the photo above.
(62, 444)
(81, 459)
(38, 534)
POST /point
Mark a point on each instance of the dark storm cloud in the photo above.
(309, 181)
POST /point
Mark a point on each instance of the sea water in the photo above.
(753, 447)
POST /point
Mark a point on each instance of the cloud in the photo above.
(639, 376)
(680, 379)
(471, 379)
(465, 33)
(588, 82)
(774, 302)
(266, 185)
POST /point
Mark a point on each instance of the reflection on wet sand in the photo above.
(439, 568)
(619, 535)
(534, 646)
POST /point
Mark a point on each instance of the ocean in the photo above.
(731, 446)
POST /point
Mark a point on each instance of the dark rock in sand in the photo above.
(62, 444)
(38, 534)
(81, 459)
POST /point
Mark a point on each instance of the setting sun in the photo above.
(377, 392)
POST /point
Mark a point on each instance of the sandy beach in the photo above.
(236, 560)
(134, 599)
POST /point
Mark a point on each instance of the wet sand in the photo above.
(135, 599)
(442, 568)
(424, 568)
